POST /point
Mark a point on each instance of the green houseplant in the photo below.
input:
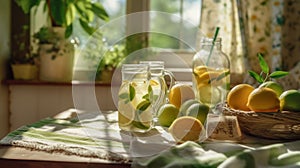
(62, 13)
(110, 61)
(102, 58)
(56, 53)
(23, 59)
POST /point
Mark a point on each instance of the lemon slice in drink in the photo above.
(153, 82)
(143, 116)
(126, 115)
(209, 95)
(201, 69)
(144, 119)
(208, 78)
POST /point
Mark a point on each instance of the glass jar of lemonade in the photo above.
(135, 110)
(211, 73)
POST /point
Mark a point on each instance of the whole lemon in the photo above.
(274, 86)
(179, 93)
(198, 111)
(186, 128)
(289, 100)
(167, 113)
(263, 100)
(237, 97)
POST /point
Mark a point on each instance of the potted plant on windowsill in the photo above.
(110, 61)
(102, 59)
(62, 14)
(56, 55)
(23, 60)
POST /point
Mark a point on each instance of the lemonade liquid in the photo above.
(211, 85)
(135, 110)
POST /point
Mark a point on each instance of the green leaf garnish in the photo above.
(257, 77)
(263, 64)
(265, 73)
(131, 92)
(278, 74)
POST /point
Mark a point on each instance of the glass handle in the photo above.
(172, 79)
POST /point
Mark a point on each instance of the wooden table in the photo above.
(15, 157)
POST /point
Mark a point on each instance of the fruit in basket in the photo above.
(186, 128)
(289, 100)
(263, 100)
(274, 86)
(167, 113)
(237, 97)
(179, 93)
(198, 111)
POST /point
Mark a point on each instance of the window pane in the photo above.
(186, 10)
(115, 9)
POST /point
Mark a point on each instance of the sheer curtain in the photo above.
(249, 27)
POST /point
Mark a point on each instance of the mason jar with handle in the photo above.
(135, 108)
(211, 73)
(158, 82)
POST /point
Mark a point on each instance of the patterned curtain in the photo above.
(249, 27)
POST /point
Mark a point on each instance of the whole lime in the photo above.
(289, 100)
(198, 111)
(167, 113)
(274, 86)
(183, 108)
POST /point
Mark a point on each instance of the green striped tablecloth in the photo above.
(93, 134)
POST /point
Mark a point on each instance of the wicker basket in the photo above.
(283, 125)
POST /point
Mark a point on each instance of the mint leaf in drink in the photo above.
(131, 92)
(123, 96)
(142, 106)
